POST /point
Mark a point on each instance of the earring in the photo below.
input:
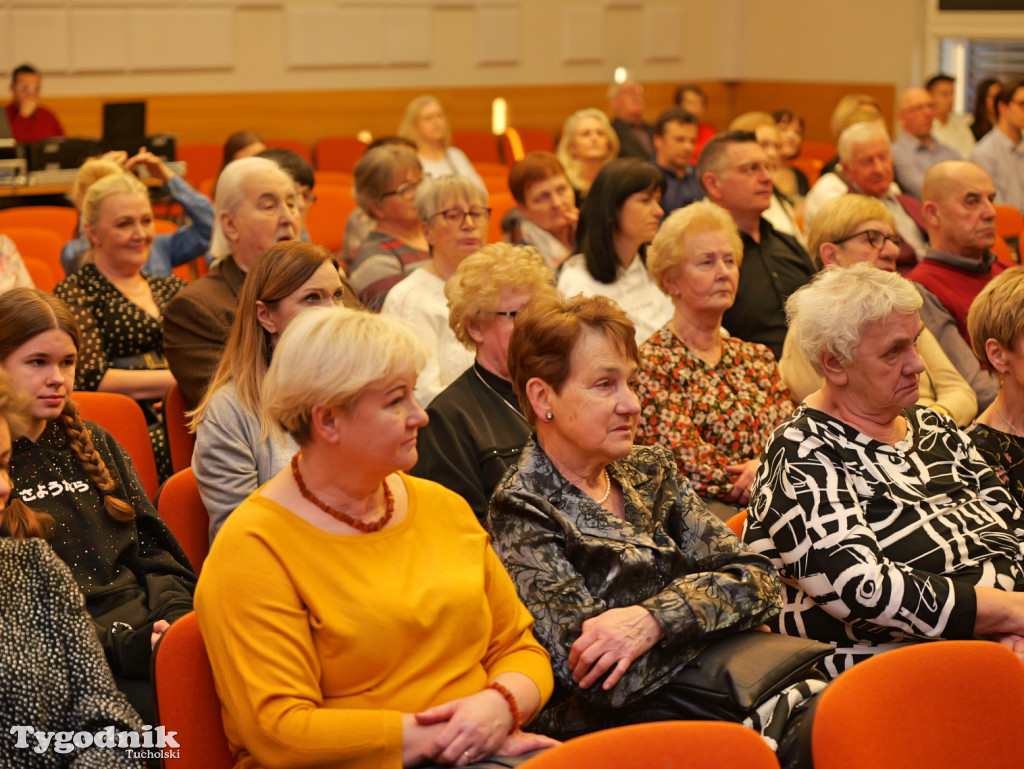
(549, 416)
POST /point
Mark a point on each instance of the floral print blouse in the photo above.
(571, 559)
(112, 326)
(709, 417)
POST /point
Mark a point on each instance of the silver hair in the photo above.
(859, 133)
(228, 194)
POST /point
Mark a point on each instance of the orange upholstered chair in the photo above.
(823, 151)
(516, 142)
(338, 153)
(182, 509)
(193, 270)
(479, 146)
(326, 219)
(665, 745)
(186, 700)
(949, 704)
(295, 145)
(59, 219)
(501, 203)
(122, 417)
(41, 274)
(41, 244)
(810, 166)
(180, 440)
(736, 523)
(203, 161)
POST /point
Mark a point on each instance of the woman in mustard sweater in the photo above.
(356, 616)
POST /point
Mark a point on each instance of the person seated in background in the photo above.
(29, 121)
(542, 190)
(1000, 152)
(866, 168)
(985, 117)
(53, 675)
(675, 136)
(949, 128)
(854, 229)
(636, 137)
(255, 208)
(133, 573)
(167, 251)
(627, 574)
(238, 448)
(693, 99)
(359, 223)
(996, 325)
(354, 615)
(886, 525)
(242, 144)
(710, 399)
(426, 124)
(790, 180)
(118, 307)
(917, 150)
(386, 181)
(959, 213)
(13, 272)
(587, 145)
(782, 211)
(735, 174)
(477, 427)
(454, 214)
(301, 173)
(620, 217)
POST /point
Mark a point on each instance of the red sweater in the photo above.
(955, 287)
(42, 125)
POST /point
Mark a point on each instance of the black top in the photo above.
(629, 145)
(476, 432)
(771, 271)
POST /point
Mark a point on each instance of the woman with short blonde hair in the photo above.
(426, 124)
(588, 143)
(477, 427)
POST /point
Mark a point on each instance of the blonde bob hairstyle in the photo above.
(103, 188)
(667, 251)
(476, 286)
(327, 356)
(409, 127)
(997, 312)
(91, 171)
(829, 314)
(571, 164)
(840, 217)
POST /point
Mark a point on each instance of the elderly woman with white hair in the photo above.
(709, 398)
(453, 214)
(477, 427)
(355, 616)
(857, 229)
(587, 145)
(886, 525)
(255, 205)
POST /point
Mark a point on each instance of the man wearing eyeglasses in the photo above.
(636, 139)
(30, 122)
(917, 150)
(1001, 151)
(958, 211)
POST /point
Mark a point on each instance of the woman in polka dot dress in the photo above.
(134, 575)
(119, 309)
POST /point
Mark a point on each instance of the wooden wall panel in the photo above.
(312, 115)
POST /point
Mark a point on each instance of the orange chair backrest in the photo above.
(186, 700)
(122, 417)
(810, 166)
(326, 219)
(1009, 221)
(479, 146)
(295, 145)
(41, 274)
(182, 509)
(823, 151)
(736, 523)
(39, 243)
(59, 219)
(501, 203)
(949, 704)
(665, 745)
(203, 160)
(339, 153)
(181, 441)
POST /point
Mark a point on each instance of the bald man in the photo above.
(958, 211)
(917, 150)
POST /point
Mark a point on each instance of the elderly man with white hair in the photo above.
(866, 167)
(255, 207)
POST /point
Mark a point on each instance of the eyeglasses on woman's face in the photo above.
(875, 238)
(407, 190)
(457, 216)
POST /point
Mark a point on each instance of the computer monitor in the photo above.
(124, 120)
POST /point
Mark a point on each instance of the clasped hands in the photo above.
(611, 641)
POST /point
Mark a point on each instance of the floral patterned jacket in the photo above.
(572, 560)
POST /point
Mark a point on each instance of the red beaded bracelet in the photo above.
(517, 717)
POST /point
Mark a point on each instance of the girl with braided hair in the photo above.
(135, 578)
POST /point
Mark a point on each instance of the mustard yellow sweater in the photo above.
(318, 641)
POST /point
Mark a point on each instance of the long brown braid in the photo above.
(90, 459)
(26, 313)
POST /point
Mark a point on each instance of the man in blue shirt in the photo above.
(675, 135)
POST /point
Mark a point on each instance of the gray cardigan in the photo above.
(231, 460)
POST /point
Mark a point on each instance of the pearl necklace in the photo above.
(608, 489)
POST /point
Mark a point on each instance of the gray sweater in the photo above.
(230, 460)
